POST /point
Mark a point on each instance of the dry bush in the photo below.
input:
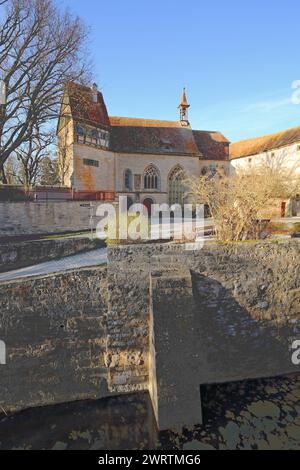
(237, 201)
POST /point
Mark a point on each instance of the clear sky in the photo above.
(237, 59)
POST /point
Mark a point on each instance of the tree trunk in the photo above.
(3, 178)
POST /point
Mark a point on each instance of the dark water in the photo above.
(260, 414)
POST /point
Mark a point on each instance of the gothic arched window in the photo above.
(176, 185)
(151, 178)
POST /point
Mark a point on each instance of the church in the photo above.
(147, 160)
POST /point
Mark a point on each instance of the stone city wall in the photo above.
(235, 319)
(160, 318)
(54, 330)
(28, 218)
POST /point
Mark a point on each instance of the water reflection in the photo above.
(255, 414)
(124, 422)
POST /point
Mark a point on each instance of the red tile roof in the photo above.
(248, 147)
(157, 140)
(141, 122)
(184, 102)
(152, 136)
(84, 109)
(213, 145)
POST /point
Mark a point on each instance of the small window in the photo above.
(80, 130)
(273, 154)
(89, 162)
(213, 168)
(298, 148)
(128, 179)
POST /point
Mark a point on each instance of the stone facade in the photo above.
(54, 330)
(28, 218)
(98, 150)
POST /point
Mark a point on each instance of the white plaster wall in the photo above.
(287, 158)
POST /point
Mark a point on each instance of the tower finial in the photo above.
(183, 109)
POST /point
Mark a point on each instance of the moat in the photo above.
(256, 414)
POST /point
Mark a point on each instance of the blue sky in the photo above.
(237, 59)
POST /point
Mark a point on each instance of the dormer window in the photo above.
(166, 144)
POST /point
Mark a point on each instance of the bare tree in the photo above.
(30, 155)
(49, 173)
(41, 51)
(12, 170)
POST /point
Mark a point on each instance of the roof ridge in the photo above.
(265, 136)
(265, 143)
(144, 119)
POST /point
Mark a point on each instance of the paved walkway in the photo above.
(90, 258)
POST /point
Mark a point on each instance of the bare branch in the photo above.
(41, 49)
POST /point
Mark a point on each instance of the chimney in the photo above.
(94, 89)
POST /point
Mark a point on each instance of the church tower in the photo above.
(183, 110)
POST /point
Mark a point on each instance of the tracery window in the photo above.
(176, 185)
(151, 178)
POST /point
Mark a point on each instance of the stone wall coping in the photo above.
(23, 280)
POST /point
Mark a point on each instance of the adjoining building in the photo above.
(279, 151)
(147, 160)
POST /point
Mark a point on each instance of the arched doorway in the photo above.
(129, 202)
(176, 185)
(148, 204)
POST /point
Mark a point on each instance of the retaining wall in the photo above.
(54, 330)
(15, 255)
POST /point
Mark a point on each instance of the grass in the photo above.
(66, 234)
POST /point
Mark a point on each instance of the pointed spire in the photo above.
(184, 103)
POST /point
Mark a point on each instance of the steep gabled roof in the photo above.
(248, 147)
(84, 109)
(137, 135)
